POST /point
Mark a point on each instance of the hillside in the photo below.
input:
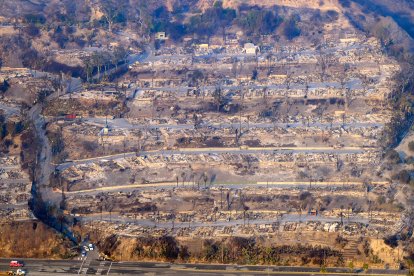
(392, 24)
(32, 239)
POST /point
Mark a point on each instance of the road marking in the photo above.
(80, 269)
(85, 269)
(109, 269)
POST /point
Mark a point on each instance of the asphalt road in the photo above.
(95, 267)
(146, 54)
(15, 180)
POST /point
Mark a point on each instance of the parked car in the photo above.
(91, 247)
(16, 264)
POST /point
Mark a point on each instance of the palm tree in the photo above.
(205, 179)
(183, 175)
(88, 68)
(228, 200)
(245, 209)
(218, 97)
(61, 220)
(109, 206)
(215, 210)
(288, 80)
(269, 57)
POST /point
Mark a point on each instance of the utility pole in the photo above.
(241, 108)
(124, 144)
(221, 198)
(228, 200)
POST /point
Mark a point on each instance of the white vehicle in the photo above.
(91, 247)
(86, 248)
(20, 272)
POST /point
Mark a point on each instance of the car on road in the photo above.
(90, 247)
(86, 248)
(20, 272)
(83, 253)
(16, 264)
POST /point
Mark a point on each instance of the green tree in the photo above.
(393, 156)
(120, 54)
(4, 86)
(88, 62)
(351, 266)
(114, 11)
(196, 77)
(212, 20)
(259, 21)
(255, 73)
(218, 97)
(291, 28)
